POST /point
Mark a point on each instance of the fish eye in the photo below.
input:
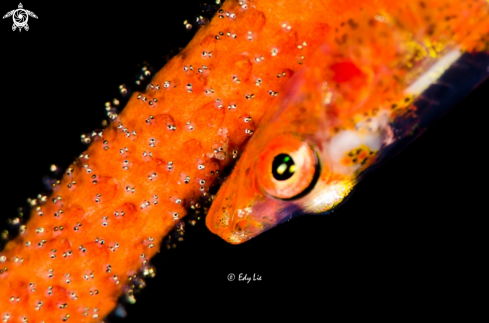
(283, 167)
(288, 167)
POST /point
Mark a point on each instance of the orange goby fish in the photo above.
(375, 84)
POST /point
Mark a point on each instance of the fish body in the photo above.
(375, 84)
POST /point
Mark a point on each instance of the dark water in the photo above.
(413, 227)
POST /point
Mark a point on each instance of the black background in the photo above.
(410, 234)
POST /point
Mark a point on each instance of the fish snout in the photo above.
(237, 219)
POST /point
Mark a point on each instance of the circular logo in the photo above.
(231, 277)
(20, 17)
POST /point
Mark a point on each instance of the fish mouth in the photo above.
(242, 228)
(239, 213)
(235, 224)
(241, 225)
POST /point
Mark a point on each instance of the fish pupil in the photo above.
(283, 167)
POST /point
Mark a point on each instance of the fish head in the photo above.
(300, 160)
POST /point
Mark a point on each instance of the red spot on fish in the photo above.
(345, 71)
